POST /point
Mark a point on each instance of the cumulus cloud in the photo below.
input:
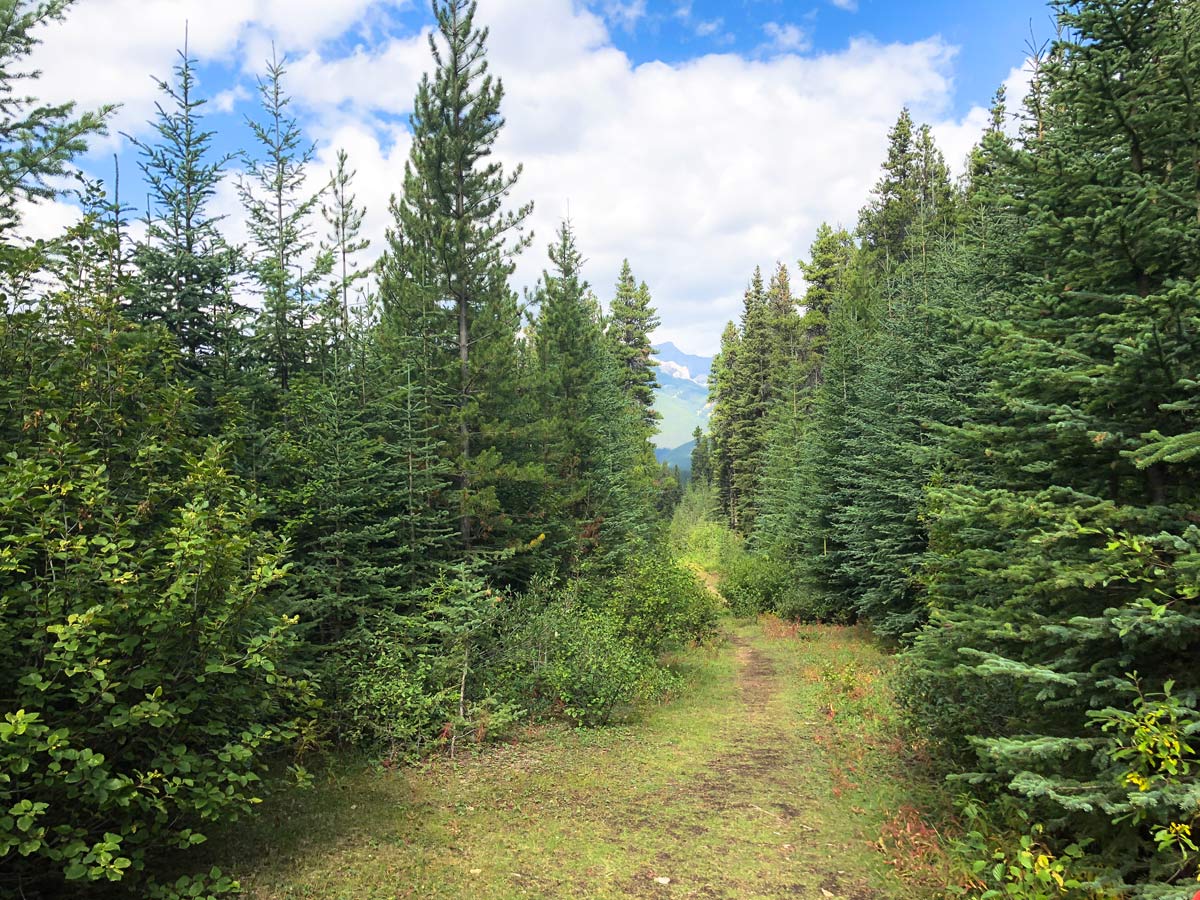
(625, 15)
(107, 50)
(847, 5)
(696, 170)
(786, 38)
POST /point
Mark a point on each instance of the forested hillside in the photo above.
(277, 509)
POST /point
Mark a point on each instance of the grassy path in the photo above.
(772, 777)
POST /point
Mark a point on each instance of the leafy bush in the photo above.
(143, 669)
(698, 536)
(756, 584)
(593, 668)
(1013, 858)
(587, 648)
(391, 701)
(658, 603)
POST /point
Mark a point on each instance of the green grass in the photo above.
(774, 775)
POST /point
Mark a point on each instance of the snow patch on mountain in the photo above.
(675, 370)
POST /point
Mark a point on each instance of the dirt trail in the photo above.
(743, 788)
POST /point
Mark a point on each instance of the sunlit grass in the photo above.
(775, 775)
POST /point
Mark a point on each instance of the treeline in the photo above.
(260, 502)
(978, 431)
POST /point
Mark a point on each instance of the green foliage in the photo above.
(698, 535)
(454, 239)
(658, 603)
(1014, 860)
(146, 668)
(37, 141)
(756, 584)
(631, 320)
(1063, 552)
(185, 267)
(591, 668)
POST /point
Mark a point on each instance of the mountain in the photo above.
(685, 366)
(680, 456)
(682, 397)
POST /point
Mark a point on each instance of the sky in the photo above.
(696, 138)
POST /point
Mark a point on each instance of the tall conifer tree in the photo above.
(186, 268)
(631, 319)
(451, 256)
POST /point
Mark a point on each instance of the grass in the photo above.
(775, 775)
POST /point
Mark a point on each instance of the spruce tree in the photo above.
(454, 242)
(1062, 573)
(186, 268)
(721, 392)
(631, 320)
(571, 356)
(701, 470)
(279, 210)
(38, 142)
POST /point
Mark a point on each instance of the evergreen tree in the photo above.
(343, 244)
(453, 241)
(38, 142)
(800, 360)
(742, 397)
(186, 268)
(701, 459)
(1062, 573)
(914, 189)
(572, 356)
(825, 273)
(631, 320)
(721, 391)
(279, 210)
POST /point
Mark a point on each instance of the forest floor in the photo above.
(775, 774)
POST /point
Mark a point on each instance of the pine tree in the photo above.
(742, 394)
(825, 273)
(571, 356)
(344, 242)
(722, 426)
(37, 141)
(279, 211)
(186, 268)
(1065, 566)
(631, 320)
(701, 470)
(914, 189)
(800, 360)
(454, 241)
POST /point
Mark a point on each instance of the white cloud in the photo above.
(625, 14)
(697, 170)
(786, 38)
(847, 5)
(108, 50)
(226, 100)
(708, 27)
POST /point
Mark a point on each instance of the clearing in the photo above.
(775, 775)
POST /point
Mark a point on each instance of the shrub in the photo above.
(1002, 854)
(658, 603)
(143, 669)
(391, 701)
(756, 584)
(593, 668)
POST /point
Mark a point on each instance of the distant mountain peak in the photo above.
(682, 397)
(695, 365)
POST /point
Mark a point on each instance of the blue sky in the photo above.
(990, 35)
(699, 139)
